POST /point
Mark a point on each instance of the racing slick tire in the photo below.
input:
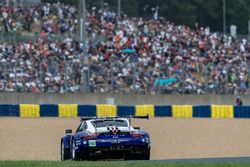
(65, 152)
(74, 155)
(82, 155)
(145, 155)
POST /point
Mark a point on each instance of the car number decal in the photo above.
(92, 143)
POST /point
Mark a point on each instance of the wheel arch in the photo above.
(66, 140)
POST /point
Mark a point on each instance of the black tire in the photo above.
(74, 155)
(127, 156)
(65, 152)
(145, 155)
(84, 155)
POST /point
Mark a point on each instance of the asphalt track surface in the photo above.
(205, 160)
(173, 140)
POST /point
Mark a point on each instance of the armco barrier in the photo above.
(103, 110)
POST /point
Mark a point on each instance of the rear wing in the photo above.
(137, 117)
(87, 118)
(141, 117)
(129, 117)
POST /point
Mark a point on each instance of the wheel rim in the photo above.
(73, 150)
(62, 151)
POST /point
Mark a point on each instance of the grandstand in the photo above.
(40, 52)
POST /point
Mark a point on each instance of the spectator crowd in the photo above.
(152, 56)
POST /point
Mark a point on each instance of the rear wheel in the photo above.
(65, 152)
(127, 156)
(145, 155)
(84, 154)
(74, 154)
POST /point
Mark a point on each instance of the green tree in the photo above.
(238, 13)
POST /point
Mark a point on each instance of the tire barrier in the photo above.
(29, 110)
(241, 111)
(202, 111)
(67, 110)
(182, 111)
(49, 110)
(144, 110)
(104, 110)
(86, 110)
(107, 110)
(222, 111)
(9, 110)
(125, 111)
(163, 111)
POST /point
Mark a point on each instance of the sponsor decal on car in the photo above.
(92, 143)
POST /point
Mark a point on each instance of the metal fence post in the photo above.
(1, 33)
(206, 78)
(227, 80)
(119, 8)
(66, 76)
(248, 86)
(83, 39)
(111, 75)
(40, 76)
(15, 71)
(134, 79)
(15, 38)
(182, 76)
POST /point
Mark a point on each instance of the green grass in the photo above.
(114, 164)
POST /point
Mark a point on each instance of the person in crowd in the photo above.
(239, 101)
(124, 55)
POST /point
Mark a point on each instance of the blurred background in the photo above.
(125, 46)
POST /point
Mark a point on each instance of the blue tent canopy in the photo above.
(163, 82)
(128, 51)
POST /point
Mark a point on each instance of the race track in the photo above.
(39, 138)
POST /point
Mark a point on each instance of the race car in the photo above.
(106, 138)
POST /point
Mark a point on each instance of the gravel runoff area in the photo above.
(39, 138)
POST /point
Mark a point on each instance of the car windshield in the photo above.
(105, 123)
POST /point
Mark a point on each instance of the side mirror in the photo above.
(68, 131)
(137, 128)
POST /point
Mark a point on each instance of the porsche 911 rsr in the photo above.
(105, 138)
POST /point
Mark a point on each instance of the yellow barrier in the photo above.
(67, 110)
(106, 110)
(182, 111)
(29, 110)
(143, 110)
(222, 111)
